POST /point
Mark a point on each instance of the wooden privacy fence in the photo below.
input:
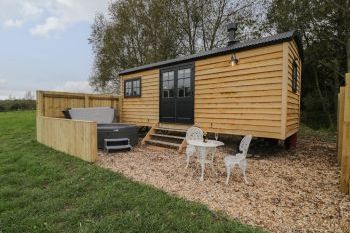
(52, 103)
(343, 143)
(74, 137)
(77, 138)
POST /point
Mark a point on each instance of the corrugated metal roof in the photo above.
(286, 36)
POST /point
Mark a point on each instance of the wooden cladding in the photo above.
(293, 97)
(77, 138)
(51, 103)
(143, 110)
(241, 99)
(253, 97)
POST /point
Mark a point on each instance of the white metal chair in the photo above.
(238, 159)
(193, 133)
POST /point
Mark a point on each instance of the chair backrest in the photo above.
(194, 133)
(244, 145)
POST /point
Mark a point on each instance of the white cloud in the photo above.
(50, 24)
(30, 9)
(75, 86)
(50, 15)
(12, 23)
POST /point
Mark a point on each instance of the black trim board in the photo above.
(250, 44)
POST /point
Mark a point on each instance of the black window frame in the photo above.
(132, 87)
(295, 76)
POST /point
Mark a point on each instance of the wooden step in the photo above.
(171, 130)
(167, 136)
(174, 126)
(151, 141)
(116, 139)
(117, 147)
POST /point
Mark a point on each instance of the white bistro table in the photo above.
(205, 148)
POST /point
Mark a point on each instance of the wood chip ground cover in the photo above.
(289, 191)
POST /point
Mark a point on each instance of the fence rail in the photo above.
(77, 138)
(343, 139)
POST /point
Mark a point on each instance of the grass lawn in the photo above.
(43, 190)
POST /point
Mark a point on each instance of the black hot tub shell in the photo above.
(116, 130)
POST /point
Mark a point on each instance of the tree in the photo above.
(28, 95)
(324, 30)
(139, 32)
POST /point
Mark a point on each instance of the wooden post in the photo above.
(120, 109)
(284, 91)
(345, 160)
(340, 122)
(40, 111)
(87, 101)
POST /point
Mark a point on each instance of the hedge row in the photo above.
(17, 105)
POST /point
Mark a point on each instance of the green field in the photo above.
(43, 190)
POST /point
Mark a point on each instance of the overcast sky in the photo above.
(43, 45)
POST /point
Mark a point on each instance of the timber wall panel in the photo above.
(74, 137)
(241, 99)
(142, 110)
(51, 103)
(293, 99)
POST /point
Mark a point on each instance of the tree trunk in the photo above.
(324, 107)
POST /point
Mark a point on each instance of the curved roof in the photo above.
(269, 40)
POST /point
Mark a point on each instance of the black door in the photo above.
(177, 94)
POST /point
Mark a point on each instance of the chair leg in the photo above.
(244, 176)
(243, 166)
(228, 171)
(187, 160)
(202, 171)
(188, 157)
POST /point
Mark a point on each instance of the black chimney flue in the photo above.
(231, 29)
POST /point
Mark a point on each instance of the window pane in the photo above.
(187, 73)
(180, 73)
(187, 82)
(184, 82)
(136, 83)
(180, 83)
(171, 75)
(168, 84)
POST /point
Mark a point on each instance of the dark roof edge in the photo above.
(251, 44)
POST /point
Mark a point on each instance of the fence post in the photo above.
(340, 121)
(345, 160)
(40, 103)
(86, 103)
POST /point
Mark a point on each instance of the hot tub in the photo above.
(116, 130)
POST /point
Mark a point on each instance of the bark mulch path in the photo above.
(289, 191)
